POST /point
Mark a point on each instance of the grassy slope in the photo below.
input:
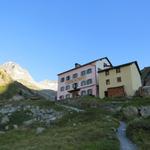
(138, 129)
(74, 132)
(90, 130)
(139, 132)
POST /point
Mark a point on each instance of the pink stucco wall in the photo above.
(86, 77)
(97, 65)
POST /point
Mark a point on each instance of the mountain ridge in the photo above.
(22, 75)
(16, 73)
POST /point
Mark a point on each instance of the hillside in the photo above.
(44, 125)
(10, 89)
(84, 123)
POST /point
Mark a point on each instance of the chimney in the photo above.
(77, 65)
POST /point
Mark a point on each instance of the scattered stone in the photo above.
(17, 98)
(15, 126)
(46, 116)
(74, 124)
(7, 128)
(28, 123)
(40, 130)
(2, 132)
(5, 120)
(130, 111)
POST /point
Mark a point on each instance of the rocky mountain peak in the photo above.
(16, 71)
(19, 74)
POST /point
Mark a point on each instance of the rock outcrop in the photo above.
(130, 111)
(145, 111)
(26, 115)
(146, 76)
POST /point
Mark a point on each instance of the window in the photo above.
(89, 81)
(61, 97)
(118, 70)
(68, 78)
(106, 65)
(75, 85)
(75, 75)
(62, 88)
(119, 79)
(83, 93)
(62, 79)
(83, 83)
(107, 82)
(68, 96)
(67, 87)
(83, 73)
(89, 71)
(90, 92)
(107, 73)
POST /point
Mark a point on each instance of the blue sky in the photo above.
(49, 36)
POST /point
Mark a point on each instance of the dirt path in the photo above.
(125, 143)
(71, 108)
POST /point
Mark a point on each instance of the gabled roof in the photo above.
(86, 65)
(123, 65)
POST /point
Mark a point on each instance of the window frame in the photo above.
(75, 75)
(88, 83)
(108, 82)
(74, 86)
(62, 79)
(68, 96)
(107, 73)
(118, 70)
(62, 88)
(83, 91)
(68, 78)
(68, 87)
(119, 79)
(90, 93)
(83, 83)
(89, 72)
(61, 97)
(82, 73)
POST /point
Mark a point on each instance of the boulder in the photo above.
(40, 130)
(17, 98)
(28, 123)
(7, 128)
(145, 111)
(2, 132)
(5, 120)
(15, 126)
(130, 111)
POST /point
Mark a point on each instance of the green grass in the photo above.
(3, 89)
(19, 117)
(139, 132)
(8, 91)
(93, 129)
(89, 101)
(90, 130)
